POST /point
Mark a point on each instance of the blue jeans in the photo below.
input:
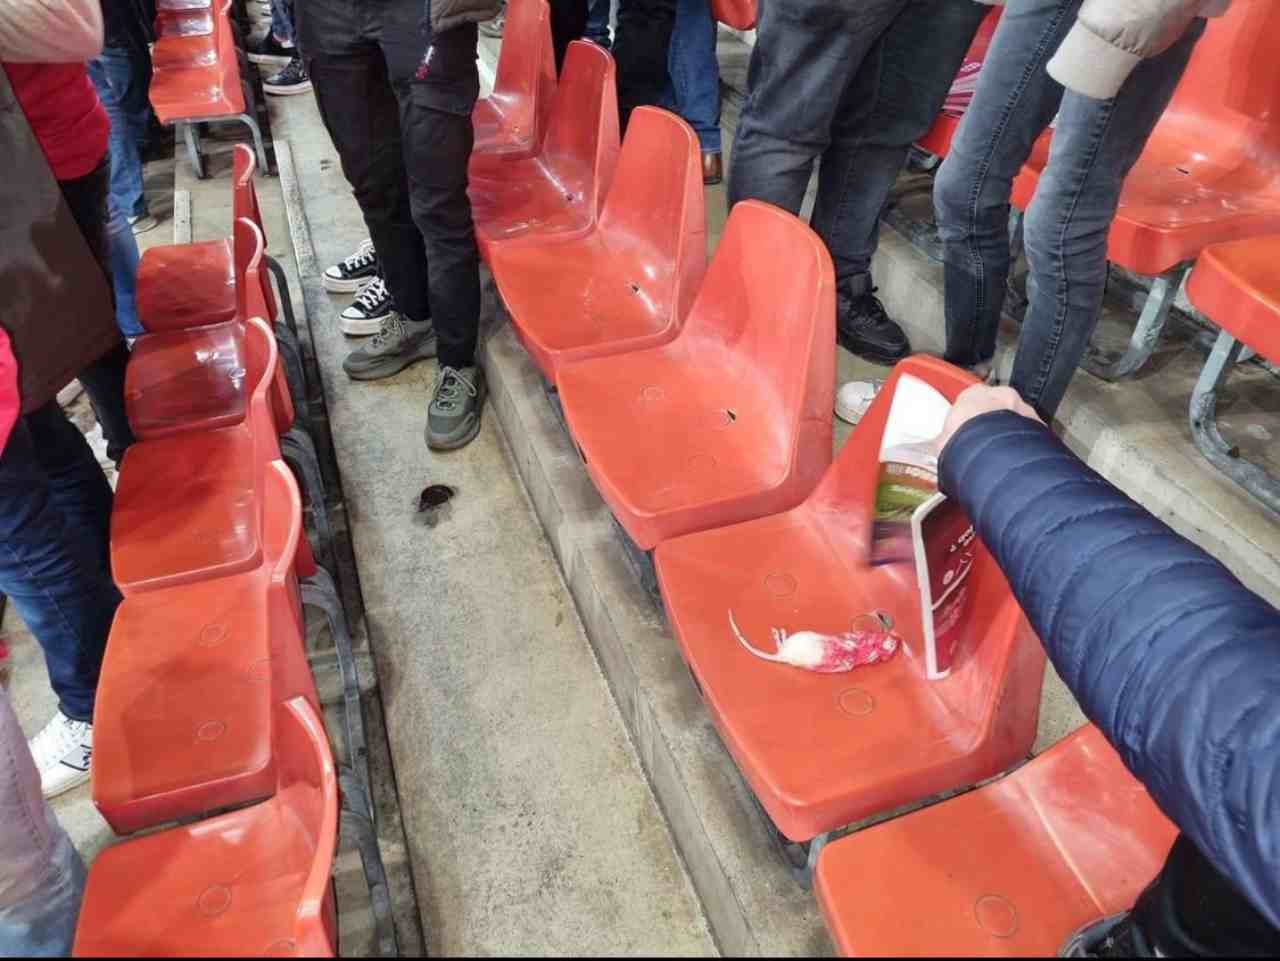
(693, 87)
(55, 565)
(598, 22)
(1095, 144)
(855, 83)
(282, 21)
(123, 249)
(123, 80)
(41, 874)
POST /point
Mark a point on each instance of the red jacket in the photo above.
(65, 114)
(10, 403)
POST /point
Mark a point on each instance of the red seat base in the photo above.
(185, 510)
(186, 380)
(187, 285)
(182, 723)
(1010, 870)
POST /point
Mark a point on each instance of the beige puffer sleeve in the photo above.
(1111, 37)
(50, 31)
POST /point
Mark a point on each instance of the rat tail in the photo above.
(733, 624)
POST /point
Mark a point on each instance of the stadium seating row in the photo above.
(700, 396)
(207, 712)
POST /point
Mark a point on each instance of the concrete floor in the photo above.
(530, 824)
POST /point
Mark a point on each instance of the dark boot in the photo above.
(864, 328)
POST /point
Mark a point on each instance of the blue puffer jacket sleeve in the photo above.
(1173, 658)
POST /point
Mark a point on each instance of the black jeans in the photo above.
(568, 23)
(398, 108)
(103, 380)
(855, 83)
(1191, 910)
(640, 43)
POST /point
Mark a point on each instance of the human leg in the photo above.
(805, 57)
(1014, 102)
(694, 72)
(41, 874)
(1095, 145)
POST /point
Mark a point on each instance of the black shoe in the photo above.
(290, 80)
(270, 50)
(1113, 937)
(864, 328)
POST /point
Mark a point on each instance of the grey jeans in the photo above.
(41, 874)
(1095, 144)
(853, 83)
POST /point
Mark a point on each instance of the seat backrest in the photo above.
(262, 366)
(281, 536)
(998, 662)
(252, 290)
(526, 74)
(767, 307)
(228, 59)
(583, 141)
(657, 205)
(307, 787)
(1227, 106)
(244, 195)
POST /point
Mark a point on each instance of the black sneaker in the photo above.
(863, 328)
(290, 80)
(270, 50)
(354, 272)
(367, 312)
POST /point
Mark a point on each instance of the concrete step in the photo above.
(529, 824)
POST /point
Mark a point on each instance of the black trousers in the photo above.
(640, 46)
(1192, 910)
(568, 23)
(103, 380)
(397, 103)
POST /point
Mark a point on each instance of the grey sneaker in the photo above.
(398, 343)
(453, 419)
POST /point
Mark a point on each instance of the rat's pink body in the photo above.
(826, 653)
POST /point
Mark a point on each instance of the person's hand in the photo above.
(981, 399)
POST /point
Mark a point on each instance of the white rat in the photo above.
(826, 653)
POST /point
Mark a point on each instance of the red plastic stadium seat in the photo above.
(739, 14)
(193, 285)
(252, 882)
(557, 193)
(186, 507)
(189, 87)
(512, 120)
(1010, 870)
(183, 714)
(823, 750)
(629, 283)
(182, 380)
(731, 419)
(938, 140)
(1211, 171)
(1237, 286)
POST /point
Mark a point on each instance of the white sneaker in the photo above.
(62, 752)
(367, 312)
(853, 399)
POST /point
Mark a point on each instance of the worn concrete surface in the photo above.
(530, 825)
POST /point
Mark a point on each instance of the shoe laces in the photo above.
(372, 295)
(390, 331)
(58, 737)
(450, 383)
(866, 309)
(363, 257)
